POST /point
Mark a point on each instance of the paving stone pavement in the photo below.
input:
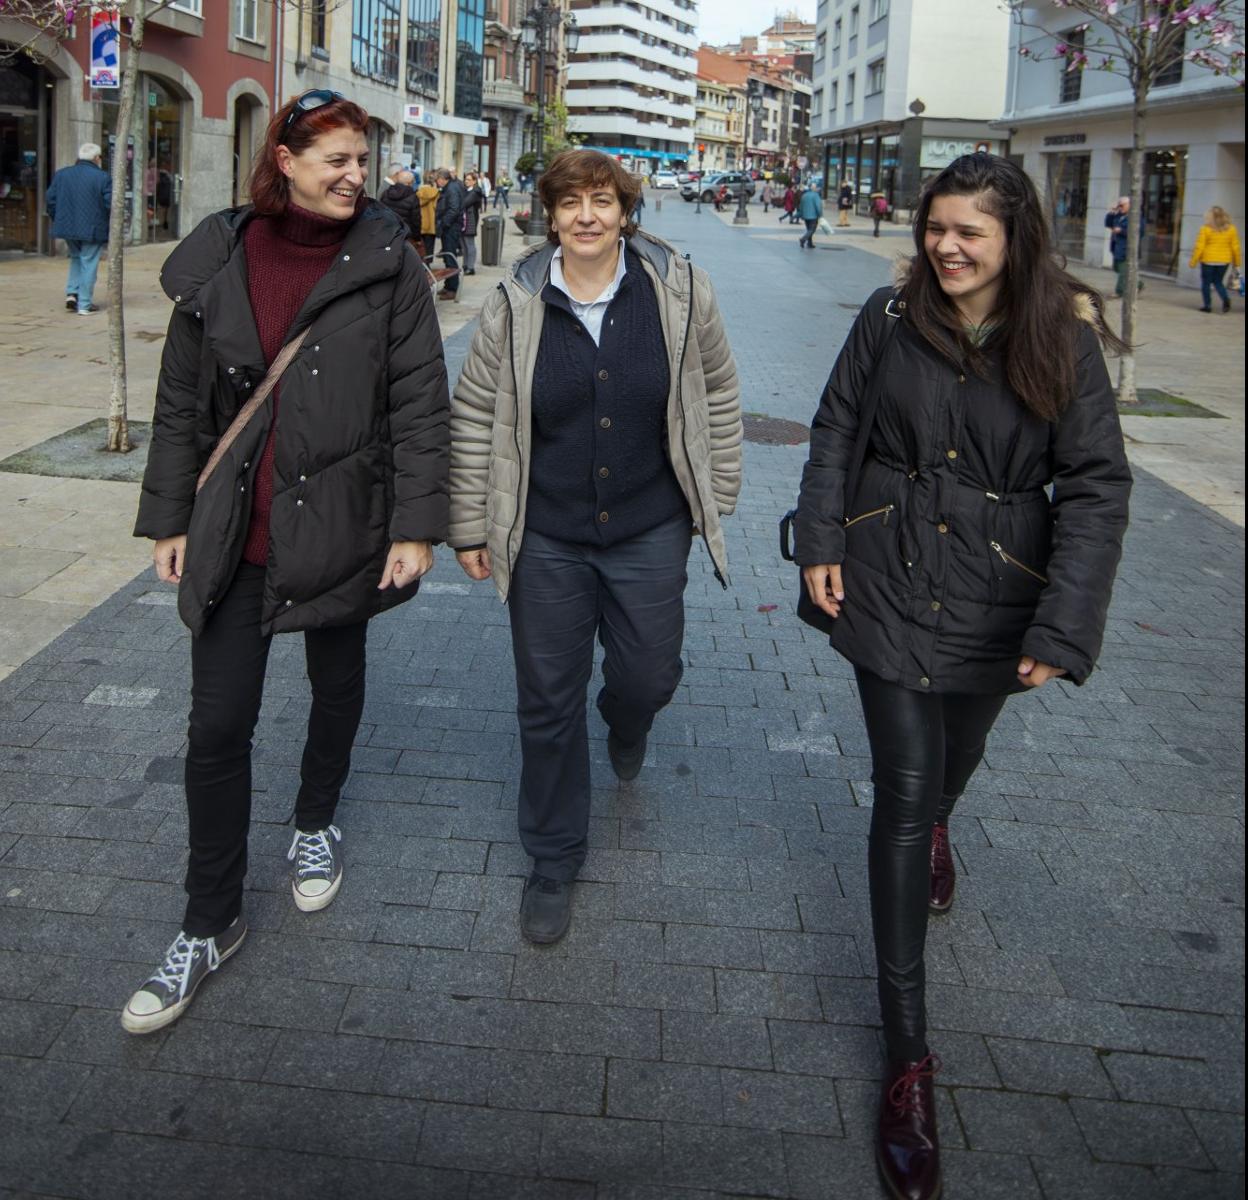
(708, 1028)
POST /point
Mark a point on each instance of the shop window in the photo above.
(1165, 178)
(1068, 201)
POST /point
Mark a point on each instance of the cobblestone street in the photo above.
(709, 1026)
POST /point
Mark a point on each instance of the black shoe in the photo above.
(469, 271)
(1205, 308)
(71, 303)
(545, 909)
(626, 760)
(1226, 306)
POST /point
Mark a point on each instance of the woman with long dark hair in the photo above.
(950, 575)
(316, 514)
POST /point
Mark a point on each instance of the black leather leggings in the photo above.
(924, 748)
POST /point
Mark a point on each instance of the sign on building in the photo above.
(105, 47)
(940, 152)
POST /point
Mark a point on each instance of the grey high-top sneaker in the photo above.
(318, 868)
(188, 962)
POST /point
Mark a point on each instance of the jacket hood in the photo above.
(208, 247)
(530, 270)
(1084, 305)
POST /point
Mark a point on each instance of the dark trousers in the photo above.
(451, 246)
(1211, 277)
(630, 597)
(227, 681)
(808, 238)
(924, 749)
(430, 243)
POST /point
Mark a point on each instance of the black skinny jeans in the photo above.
(227, 681)
(924, 749)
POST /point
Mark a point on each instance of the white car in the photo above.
(665, 179)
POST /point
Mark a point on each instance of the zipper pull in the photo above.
(888, 512)
(1005, 558)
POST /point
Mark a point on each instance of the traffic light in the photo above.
(701, 147)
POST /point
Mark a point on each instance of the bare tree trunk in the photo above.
(1131, 288)
(118, 421)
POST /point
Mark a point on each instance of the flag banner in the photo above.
(105, 47)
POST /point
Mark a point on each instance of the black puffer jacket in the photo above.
(955, 561)
(363, 454)
(401, 200)
(474, 200)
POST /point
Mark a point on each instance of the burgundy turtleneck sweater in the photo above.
(286, 257)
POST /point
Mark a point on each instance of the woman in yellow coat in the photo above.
(1217, 247)
(427, 196)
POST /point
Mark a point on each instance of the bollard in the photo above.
(658, 204)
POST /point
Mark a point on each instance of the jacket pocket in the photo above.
(1007, 557)
(884, 512)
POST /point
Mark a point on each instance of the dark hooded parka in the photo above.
(362, 453)
(955, 559)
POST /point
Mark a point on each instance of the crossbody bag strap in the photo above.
(259, 396)
(893, 311)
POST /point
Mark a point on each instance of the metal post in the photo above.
(537, 220)
(742, 216)
(701, 173)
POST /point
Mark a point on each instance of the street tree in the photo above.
(1143, 41)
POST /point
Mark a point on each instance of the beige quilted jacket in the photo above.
(491, 411)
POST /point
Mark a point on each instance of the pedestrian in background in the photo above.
(639, 207)
(578, 481)
(721, 197)
(315, 517)
(1217, 247)
(879, 210)
(502, 185)
(400, 198)
(844, 203)
(427, 198)
(948, 576)
(810, 209)
(790, 205)
(1117, 220)
(78, 202)
(474, 202)
(769, 195)
(449, 216)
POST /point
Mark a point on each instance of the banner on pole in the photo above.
(105, 46)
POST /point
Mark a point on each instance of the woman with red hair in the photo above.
(313, 514)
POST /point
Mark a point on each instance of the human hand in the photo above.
(476, 563)
(1036, 674)
(825, 587)
(406, 563)
(169, 555)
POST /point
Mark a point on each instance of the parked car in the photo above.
(665, 179)
(688, 176)
(706, 187)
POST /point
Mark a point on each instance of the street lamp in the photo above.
(754, 105)
(535, 31)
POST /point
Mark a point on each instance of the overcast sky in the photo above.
(726, 20)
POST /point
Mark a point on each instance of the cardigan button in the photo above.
(603, 472)
(602, 374)
(605, 422)
(603, 517)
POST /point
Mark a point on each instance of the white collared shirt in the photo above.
(590, 312)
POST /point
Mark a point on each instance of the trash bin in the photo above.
(491, 240)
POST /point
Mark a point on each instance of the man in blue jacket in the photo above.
(78, 201)
(810, 209)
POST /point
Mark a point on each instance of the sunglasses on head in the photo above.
(316, 98)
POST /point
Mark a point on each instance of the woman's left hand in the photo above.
(406, 563)
(1036, 674)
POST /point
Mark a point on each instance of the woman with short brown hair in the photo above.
(595, 429)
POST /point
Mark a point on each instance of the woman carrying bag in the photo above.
(474, 204)
(949, 576)
(312, 511)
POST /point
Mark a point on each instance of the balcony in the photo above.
(502, 93)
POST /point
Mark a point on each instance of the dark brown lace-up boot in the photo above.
(906, 1147)
(941, 899)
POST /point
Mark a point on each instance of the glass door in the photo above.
(162, 165)
(1068, 202)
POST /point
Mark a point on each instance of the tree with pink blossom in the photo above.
(1142, 41)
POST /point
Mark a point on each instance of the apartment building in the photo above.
(631, 87)
(888, 109)
(766, 136)
(717, 130)
(1072, 131)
